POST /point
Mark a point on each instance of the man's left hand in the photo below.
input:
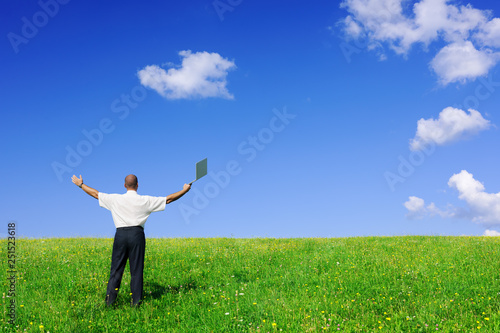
(77, 181)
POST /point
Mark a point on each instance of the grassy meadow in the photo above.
(361, 284)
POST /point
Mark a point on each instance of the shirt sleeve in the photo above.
(157, 204)
(105, 200)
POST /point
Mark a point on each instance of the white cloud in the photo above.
(488, 232)
(452, 125)
(485, 207)
(352, 28)
(414, 204)
(461, 61)
(417, 209)
(200, 75)
(400, 26)
(490, 34)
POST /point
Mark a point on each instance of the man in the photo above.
(130, 212)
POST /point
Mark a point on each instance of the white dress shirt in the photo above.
(131, 209)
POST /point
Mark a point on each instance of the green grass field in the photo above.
(363, 284)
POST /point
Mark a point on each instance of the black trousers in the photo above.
(129, 243)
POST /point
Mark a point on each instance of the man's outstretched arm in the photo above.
(89, 190)
(174, 196)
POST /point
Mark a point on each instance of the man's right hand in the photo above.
(186, 187)
(77, 181)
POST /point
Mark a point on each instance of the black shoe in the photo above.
(108, 304)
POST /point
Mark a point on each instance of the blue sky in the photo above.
(332, 119)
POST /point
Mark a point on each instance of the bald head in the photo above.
(131, 182)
